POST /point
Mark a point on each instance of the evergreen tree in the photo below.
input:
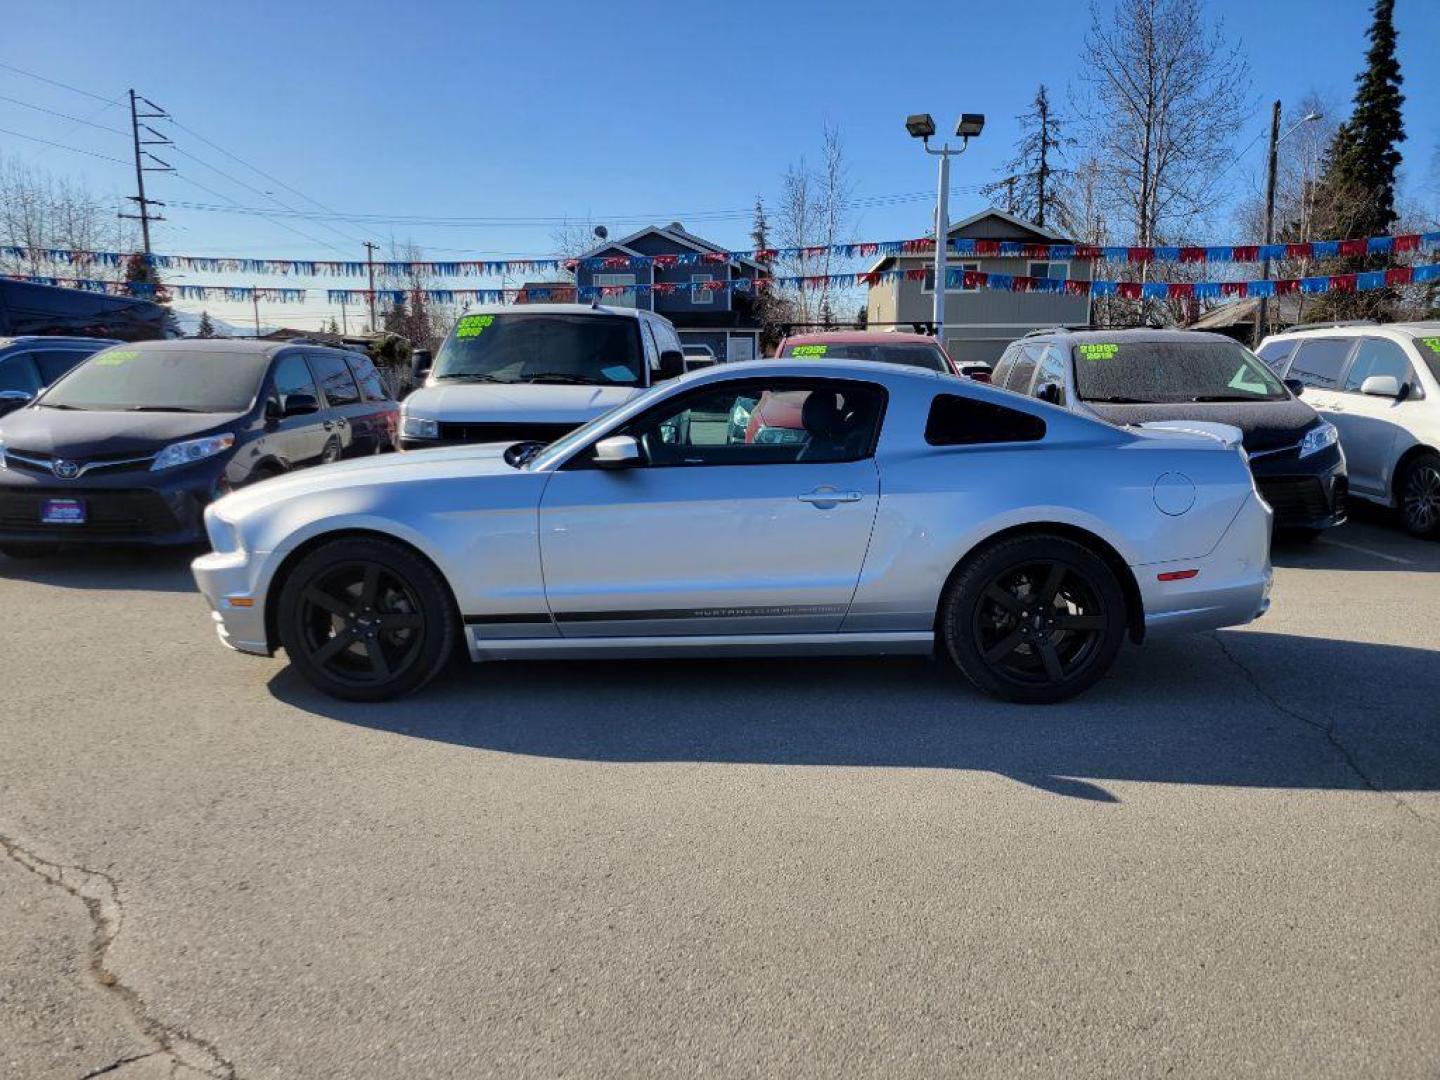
(1355, 195)
(766, 306)
(397, 316)
(333, 328)
(1034, 174)
(207, 328)
(139, 272)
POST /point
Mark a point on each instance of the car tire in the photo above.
(1034, 619)
(28, 551)
(366, 619)
(1420, 497)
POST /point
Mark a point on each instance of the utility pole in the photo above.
(370, 262)
(255, 303)
(344, 320)
(141, 168)
(1261, 321)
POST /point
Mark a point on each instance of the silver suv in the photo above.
(1380, 386)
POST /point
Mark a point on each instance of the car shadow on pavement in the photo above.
(1235, 708)
(141, 568)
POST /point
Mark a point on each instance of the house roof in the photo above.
(1040, 233)
(674, 231)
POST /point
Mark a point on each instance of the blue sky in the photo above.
(597, 112)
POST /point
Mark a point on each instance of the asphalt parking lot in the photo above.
(1221, 861)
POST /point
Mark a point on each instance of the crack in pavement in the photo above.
(100, 893)
(1328, 730)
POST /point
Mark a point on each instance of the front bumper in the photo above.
(131, 507)
(1304, 493)
(224, 579)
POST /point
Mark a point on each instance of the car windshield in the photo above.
(152, 378)
(1173, 371)
(911, 355)
(596, 350)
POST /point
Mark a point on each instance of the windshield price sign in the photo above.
(472, 326)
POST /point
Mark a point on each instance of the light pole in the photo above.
(1261, 313)
(922, 126)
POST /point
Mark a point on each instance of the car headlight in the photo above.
(183, 453)
(416, 427)
(1318, 438)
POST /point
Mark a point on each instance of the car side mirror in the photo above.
(617, 452)
(420, 363)
(672, 363)
(1295, 386)
(1381, 386)
(1049, 392)
(300, 405)
(10, 400)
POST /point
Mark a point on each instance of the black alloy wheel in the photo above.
(366, 619)
(1034, 619)
(1420, 496)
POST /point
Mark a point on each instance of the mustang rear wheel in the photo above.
(366, 619)
(1035, 619)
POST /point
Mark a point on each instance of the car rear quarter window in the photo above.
(334, 378)
(371, 385)
(963, 421)
(56, 362)
(1020, 375)
(1275, 353)
(1319, 361)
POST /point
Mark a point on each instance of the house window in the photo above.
(701, 296)
(1058, 270)
(929, 285)
(624, 299)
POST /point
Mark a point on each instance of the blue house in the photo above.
(673, 273)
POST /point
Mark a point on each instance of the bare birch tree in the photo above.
(1165, 94)
(39, 210)
(814, 212)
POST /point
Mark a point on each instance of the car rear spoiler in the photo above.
(1228, 435)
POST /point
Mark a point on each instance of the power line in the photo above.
(62, 146)
(67, 116)
(274, 221)
(54, 82)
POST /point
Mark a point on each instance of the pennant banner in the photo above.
(955, 278)
(1214, 253)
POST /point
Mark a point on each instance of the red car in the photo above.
(776, 417)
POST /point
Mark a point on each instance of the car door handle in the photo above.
(829, 497)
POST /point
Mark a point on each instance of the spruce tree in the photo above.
(207, 328)
(1033, 176)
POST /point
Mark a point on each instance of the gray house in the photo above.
(722, 318)
(979, 323)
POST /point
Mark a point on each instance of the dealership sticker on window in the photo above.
(810, 350)
(113, 359)
(1431, 343)
(473, 325)
(1098, 352)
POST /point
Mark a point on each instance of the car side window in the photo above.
(1023, 371)
(1004, 364)
(17, 372)
(334, 378)
(652, 350)
(368, 379)
(1376, 356)
(1050, 371)
(1275, 353)
(963, 421)
(1318, 362)
(292, 378)
(52, 363)
(762, 422)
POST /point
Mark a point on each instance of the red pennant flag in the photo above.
(974, 279)
(1179, 290)
(1141, 254)
(1130, 290)
(987, 247)
(1247, 253)
(665, 260)
(1407, 242)
(1232, 288)
(1352, 248)
(1298, 251)
(1192, 254)
(1283, 286)
(1400, 275)
(916, 274)
(1087, 251)
(1077, 287)
(1342, 282)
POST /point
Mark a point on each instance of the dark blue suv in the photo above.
(135, 442)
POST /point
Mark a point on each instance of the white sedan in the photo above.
(854, 508)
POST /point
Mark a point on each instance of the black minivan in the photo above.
(1139, 376)
(133, 443)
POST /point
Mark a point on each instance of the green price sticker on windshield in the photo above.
(1098, 352)
(1431, 343)
(810, 350)
(113, 359)
(472, 326)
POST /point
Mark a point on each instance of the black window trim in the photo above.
(581, 458)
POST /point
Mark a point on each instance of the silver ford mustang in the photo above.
(759, 508)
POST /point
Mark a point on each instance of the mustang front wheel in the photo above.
(366, 619)
(1034, 619)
